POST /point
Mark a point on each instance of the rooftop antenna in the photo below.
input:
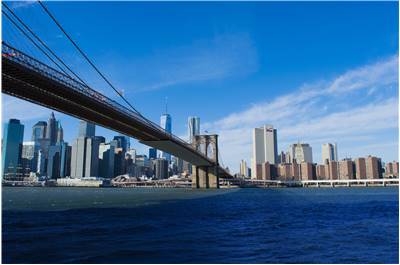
(166, 105)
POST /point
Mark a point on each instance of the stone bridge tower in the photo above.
(206, 176)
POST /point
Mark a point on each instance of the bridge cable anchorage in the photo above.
(44, 44)
(33, 41)
(89, 61)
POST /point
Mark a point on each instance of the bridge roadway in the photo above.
(29, 79)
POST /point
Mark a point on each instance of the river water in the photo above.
(281, 225)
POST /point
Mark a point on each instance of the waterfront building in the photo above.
(243, 168)
(320, 172)
(396, 169)
(161, 168)
(106, 160)
(65, 160)
(85, 157)
(152, 153)
(301, 153)
(346, 169)
(372, 167)
(29, 156)
(86, 129)
(360, 168)
(39, 131)
(193, 127)
(54, 161)
(119, 161)
(333, 170)
(389, 169)
(306, 171)
(51, 129)
(295, 170)
(12, 146)
(266, 171)
(284, 172)
(166, 124)
(265, 147)
(329, 152)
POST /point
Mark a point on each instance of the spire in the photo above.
(166, 105)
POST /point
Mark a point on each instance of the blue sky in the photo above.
(319, 72)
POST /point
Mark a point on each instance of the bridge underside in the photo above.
(24, 83)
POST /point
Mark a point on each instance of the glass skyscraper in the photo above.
(166, 124)
(12, 145)
(193, 127)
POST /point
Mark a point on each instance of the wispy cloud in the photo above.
(24, 110)
(21, 4)
(359, 105)
(209, 59)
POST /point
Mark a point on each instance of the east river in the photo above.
(149, 225)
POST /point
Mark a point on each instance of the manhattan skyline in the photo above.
(339, 83)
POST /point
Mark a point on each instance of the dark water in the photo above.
(75, 225)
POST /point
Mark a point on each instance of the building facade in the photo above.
(265, 147)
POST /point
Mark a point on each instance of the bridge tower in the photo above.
(206, 176)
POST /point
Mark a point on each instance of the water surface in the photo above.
(289, 225)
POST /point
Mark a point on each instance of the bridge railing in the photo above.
(20, 57)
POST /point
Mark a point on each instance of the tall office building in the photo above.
(65, 160)
(51, 130)
(193, 127)
(86, 129)
(243, 169)
(29, 156)
(301, 153)
(54, 161)
(265, 148)
(122, 142)
(152, 153)
(60, 133)
(106, 160)
(39, 131)
(85, 157)
(329, 152)
(12, 146)
(166, 124)
(161, 168)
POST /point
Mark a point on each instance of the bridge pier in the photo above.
(204, 177)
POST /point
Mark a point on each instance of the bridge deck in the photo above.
(26, 78)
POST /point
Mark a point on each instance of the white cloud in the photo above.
(355, 109)
(26, 111)
(210, 59)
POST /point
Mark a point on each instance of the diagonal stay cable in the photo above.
(42, 42)
(33, 41)
(88, 60)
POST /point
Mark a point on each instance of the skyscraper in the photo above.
(106, 160)
(29, 155)
(85, 157)
(265, 147)
(329, 152)
(60, 132)
(39, 131)
(243, 169)
(86, 129)
(193, 127)
(51, 130)
(301, 153)
(166, 124)
(152, 153)
(122, 142)
(12, 145)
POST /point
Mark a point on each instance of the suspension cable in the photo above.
(43, 43)
(87, 59)
(33, 41)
